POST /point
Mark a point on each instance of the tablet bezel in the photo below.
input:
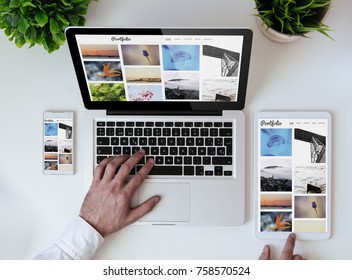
(247, 34)
(293, 115)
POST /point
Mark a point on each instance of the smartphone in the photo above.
(58, 143)
(293, 174)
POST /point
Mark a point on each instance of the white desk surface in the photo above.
(307, 74)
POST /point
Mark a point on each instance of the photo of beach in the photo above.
(276, 201)
(142, 75)
(99, 51)
(50, 156)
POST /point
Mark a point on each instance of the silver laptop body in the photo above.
(206, 190)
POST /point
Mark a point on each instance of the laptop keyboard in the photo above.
(178, 148)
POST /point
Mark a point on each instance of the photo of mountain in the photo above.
(276, 174)
(181, 85)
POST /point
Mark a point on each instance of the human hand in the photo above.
(106, 206)
(287, 251)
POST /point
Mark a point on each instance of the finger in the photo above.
(128, 165)
(144, 208)
(100, 169)
(112, 166)
(140, 176)
(265, 255)
(297, 257)
(287, 252)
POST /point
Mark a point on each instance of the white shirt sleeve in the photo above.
(79, 241)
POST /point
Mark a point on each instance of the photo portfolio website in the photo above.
(292, 175)
(161, 67)
(58, 145)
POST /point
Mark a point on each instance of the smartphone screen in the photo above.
(292, 176)
(58, 142)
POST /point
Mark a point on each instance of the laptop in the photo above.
(179, 94)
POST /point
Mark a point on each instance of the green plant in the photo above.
(294, 17)
(41, 22)
(108, 92)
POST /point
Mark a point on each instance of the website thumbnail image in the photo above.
(58, 145)
(161, 72)
(292, 177)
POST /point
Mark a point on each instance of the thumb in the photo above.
(142, 209)
(265, 255)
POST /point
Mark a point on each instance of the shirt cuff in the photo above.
(80, 240)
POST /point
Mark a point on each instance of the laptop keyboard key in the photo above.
(100, 159)
(101, 131)
(135, 149)
(115, 141)
(159, 160)
(104, 150)
(200, 170)
(225, 132)
(126, 151)
(169, 160)
(119, 131)
(218, 170)
(178, 160)
(166, 170)
(189, 170)
(117, 151)
(206, 160)
(222, 160)
(101, 141)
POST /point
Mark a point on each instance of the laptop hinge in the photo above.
(166, 113)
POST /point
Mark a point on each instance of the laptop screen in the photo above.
(197, 69)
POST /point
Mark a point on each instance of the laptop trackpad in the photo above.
(174, 205)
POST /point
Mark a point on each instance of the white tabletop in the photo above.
(308, 74)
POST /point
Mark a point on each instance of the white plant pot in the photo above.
(279, 37)
(274, 35)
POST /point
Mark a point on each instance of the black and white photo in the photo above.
(275, 174)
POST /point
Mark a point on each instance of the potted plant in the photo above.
(41, 22)
(287, 20)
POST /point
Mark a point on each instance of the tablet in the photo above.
(292, 174)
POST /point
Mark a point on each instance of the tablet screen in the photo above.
(292, 175)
